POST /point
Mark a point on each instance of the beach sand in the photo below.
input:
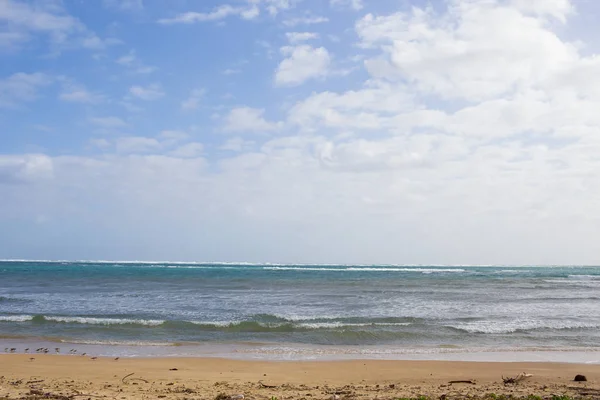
(80, 377)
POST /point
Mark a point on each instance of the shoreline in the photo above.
(205, 378)
(281, 351)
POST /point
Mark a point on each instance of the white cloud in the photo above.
(93, 42)
(194, 99)
(303, 62)
(246, 119)
(100, 143)
(170, 142)
(124, 5)
(79, 94)
(147, 93)
(417, 182)
(296, 37)
(236, 144)
(275, 6)
(129, 106)
(136, 144)
(369, 108)
(11, 40)
(108, 122)
(134, 64)
(188, 150)
(41, 19)
(23, 20)
(231, 71)
(353, 4)
(28, 168)
(128, 59)
(173, 135)
(478, 50)
(307, 20)
(558, 9)
(377, 155)
(21, 87)
(221, 12)
(251, 10)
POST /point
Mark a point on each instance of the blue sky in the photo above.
(108, 49)
(447, 132)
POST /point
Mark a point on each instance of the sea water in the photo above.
(302, 311)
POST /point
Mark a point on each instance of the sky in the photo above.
(301, 131)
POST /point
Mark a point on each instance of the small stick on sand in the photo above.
(470, 381)
(132, 379)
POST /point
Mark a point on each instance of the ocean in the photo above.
(302, 311)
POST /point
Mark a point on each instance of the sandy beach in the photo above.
(62, 377)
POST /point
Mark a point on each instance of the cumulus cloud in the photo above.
(48, 20)
(353, 4)
(188, 150)
(236, 144)
(306, 20)
(476, 51)
(28, 168)
(558, 9)
(136, 144)
(247, 119)
(302, 62)
(108, 122)
(124, 5)
(296, 37)
(77, 93)
(249, 12)
(134, 64)
(173, 135)
(21, 87)
(147, 93)
(100, 143)
(23, 20)
(372, 107)
(193, 100)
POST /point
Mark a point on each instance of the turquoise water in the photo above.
(413, 308)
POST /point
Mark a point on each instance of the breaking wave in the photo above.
(260, 323)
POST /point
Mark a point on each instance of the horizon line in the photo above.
(246, 263)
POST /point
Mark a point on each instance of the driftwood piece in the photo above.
(470, 381)
(514, 380)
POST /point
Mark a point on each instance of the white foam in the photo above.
(585, 277)
(368, 269)
(106, 321)
(16, 318)
(318, 325)
(575, 282)
(499, 327)
(118, 342)
(220, 324)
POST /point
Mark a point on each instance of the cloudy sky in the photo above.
(301, 131)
